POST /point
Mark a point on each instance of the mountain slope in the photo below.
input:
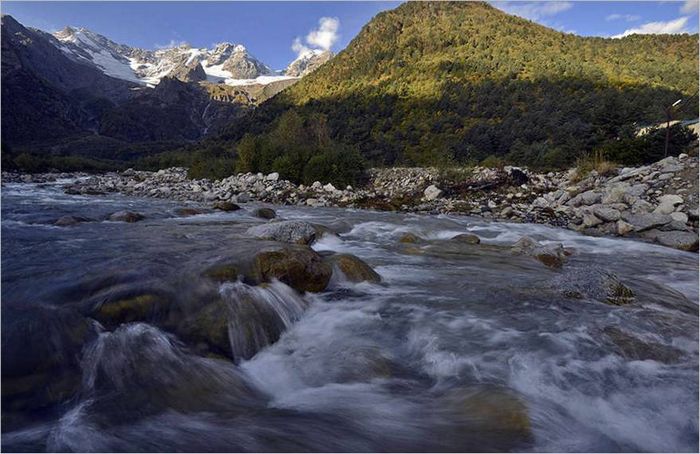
(433, 82)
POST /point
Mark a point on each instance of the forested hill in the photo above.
(459, 81)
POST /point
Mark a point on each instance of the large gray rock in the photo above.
(593, 283)
(607, 214)
(296, 232)
(125, 216)
(685, 241)
(645, 221)
(668, 203)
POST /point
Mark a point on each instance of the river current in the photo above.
(455, 350)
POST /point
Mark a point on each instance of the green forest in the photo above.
(460, 82)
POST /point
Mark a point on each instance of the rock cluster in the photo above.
(657, 202)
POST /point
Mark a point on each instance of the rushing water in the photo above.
(456, 350)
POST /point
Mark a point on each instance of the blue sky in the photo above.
(270, 29)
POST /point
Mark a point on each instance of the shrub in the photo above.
(340, 166)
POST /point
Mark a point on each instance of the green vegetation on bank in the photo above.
(455, 82)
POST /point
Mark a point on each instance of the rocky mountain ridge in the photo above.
(226, 62)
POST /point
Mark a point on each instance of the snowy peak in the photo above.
(307, 62)
(227, 63)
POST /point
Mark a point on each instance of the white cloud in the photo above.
(534, 10)
(321, 38)
(690, 7)
(655, 28)
(625, 17)
(326, 35)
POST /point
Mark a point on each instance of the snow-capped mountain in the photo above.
(227, 63)
(307, 62)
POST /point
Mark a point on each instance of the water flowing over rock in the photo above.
(593, 283)
(353, 268)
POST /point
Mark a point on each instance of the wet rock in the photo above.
(354, 269)
(593, 283)
(634, 348)
(410, 238)
(467, 238)
(41, 351)
(645, 221)
(265, 213)
(225, 272)
(295, 232)
(65, 221)
(685, 241)
(126, 216)
(188, 211)
(226, 206)
(551, 255)
(132, 306)
(300, 267)
(495, 414)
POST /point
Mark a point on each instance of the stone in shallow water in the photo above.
(467, 238)
(226, 206)
(301, 268)
(551, 255)
(265, 213)
(593, 283)
(685, 241)
(65, 221)
(634, 348)
(296, 232)
(410, 238)
(41, 348)
(125, 216)
(354, 269)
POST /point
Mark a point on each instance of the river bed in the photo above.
(455, 350)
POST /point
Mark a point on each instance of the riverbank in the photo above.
(657, 202)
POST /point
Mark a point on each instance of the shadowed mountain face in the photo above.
(434, 82)
(76, 92)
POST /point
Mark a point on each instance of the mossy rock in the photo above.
(593, 283)
(495, 414)
(634, 348)
(466, 238)
(410, 238)
(226, 206)
(300, 267)
(265, 213)
(225, 272)
(41, 351)
(189, 211)
(354, 269)
(132, 307)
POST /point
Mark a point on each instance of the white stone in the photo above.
(274, 176)
(678, 216)
(432, 192)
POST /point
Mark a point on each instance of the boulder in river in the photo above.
(551, 255)
(634, 348)
(409, 237)
(593, 283)
(685, 241)
(354, 269)
(224, 205)
(467, 238)
(41, 350)
(133, 306)
(295, 232)
(189, 211)
(265, 213)
(65, 221)
(125, 216)
(300, 267)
